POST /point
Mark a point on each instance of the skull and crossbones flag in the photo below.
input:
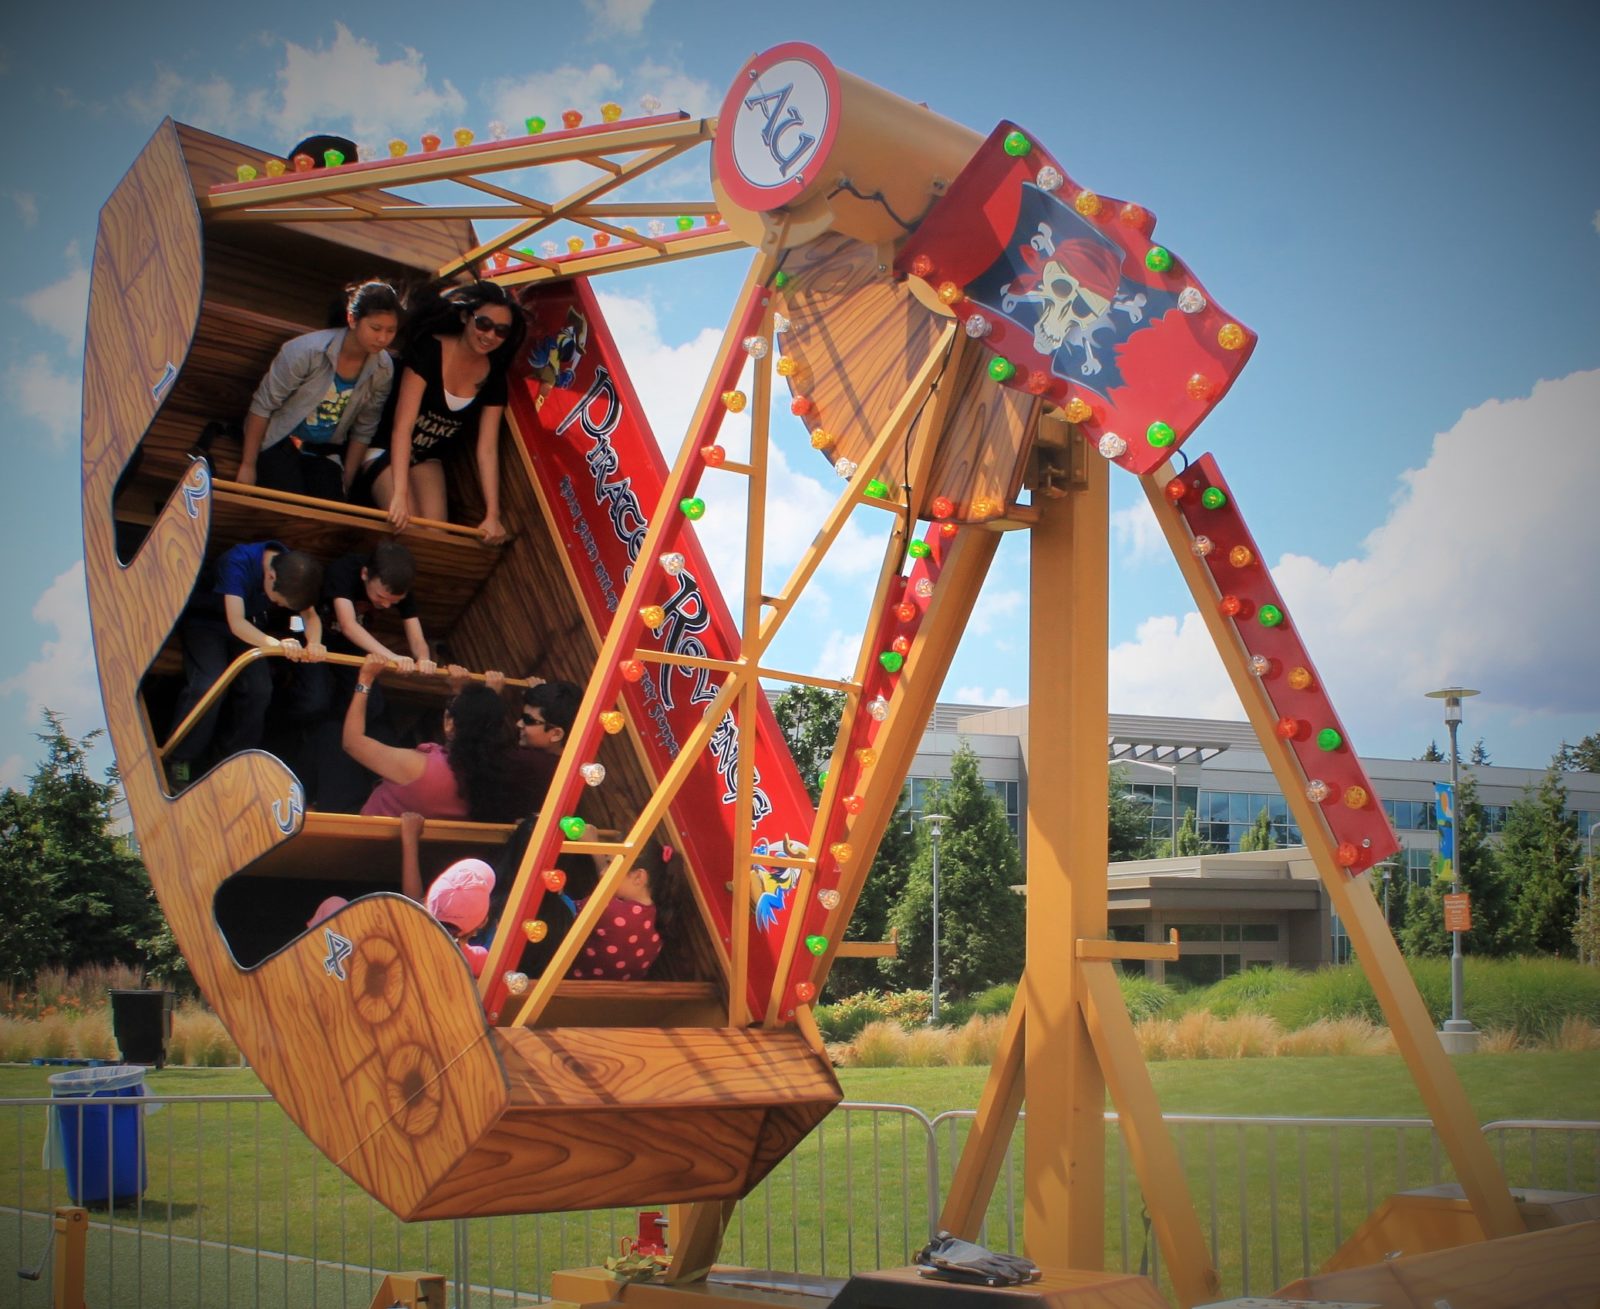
(1076, 303)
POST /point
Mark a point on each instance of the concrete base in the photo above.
(1460, 1042)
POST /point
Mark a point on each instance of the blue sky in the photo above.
(1404, 201)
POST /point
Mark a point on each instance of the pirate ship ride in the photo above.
(972, 339)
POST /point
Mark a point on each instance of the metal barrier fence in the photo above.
(241, 1210)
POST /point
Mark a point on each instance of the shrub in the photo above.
(199, 1039)
(92, 1037)
(878, 1045)
(975, 1044)
(1145, 997)
(1250, 992)
(1336, 1036)
(997, 1000)
(53, 1037)
(1577, 1034)
(925, 1047)
(19, 1040)
(908, 1008)
(1500, 1040)
(845, 1020)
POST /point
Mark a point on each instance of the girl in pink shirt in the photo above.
(627, 938)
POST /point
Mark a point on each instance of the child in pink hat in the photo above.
(458, 897)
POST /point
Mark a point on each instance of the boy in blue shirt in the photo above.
(256, 588)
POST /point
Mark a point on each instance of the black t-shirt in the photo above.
(341, 580)
(438, 425)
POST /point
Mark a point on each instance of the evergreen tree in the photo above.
(1581, 758)
(1480, 754)
(1423, 932)
(1128, 820)
(809, 719)
(981, 919)
(100, 889)
(29, 932)
(1432, 755)
(1260, 836)
(1539, 856)
(883, 889)
(1188, 841)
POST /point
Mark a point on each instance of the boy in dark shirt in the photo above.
(255, 589)
(353, 587)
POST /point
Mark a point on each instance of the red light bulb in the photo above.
(921, 266)
(1176, 491)
(1231, 606)
(905, 611)
(1346, 855)
(853, 804)
(714, 455)
(941, 506)
(1288, 728)
(631, 669)
(901, 645)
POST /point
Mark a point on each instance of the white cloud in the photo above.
(998, 607)
(997, 696)
(27, 207)
(349, 85)
(618, 17)
(1475, 577)
(213, 103)
(63, 306)
(676, 89)
(1136, 534)
(1597, 220)
(1171, 668)
(13, 773)
(668, 379)
(838, 654)
(50, 398)
(63, 676)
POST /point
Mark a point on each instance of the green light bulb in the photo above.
(693, 507)
(919, 550)
(877, 488)
(1270, 615)
(1160, 434)
(780, 279)
(1002, 369)
(892, 660)
(817, 944)
(572, 828)
(1329, 739)
(1017, 145)
(1158, 259)
(685, 223)
(1213, 497)
(535, 125)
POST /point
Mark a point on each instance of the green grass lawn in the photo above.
(854, 1194)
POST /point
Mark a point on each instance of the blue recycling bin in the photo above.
(102, 1145)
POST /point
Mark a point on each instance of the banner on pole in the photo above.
(1445, 804)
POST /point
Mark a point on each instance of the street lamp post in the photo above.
(1588, 898)
(935, 824)
(1452, 697)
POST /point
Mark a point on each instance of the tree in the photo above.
(1480, 754)
(29, 936)
(1432, 755)
(1581, 758)
(883, 889)
(1127, 820)
(809, 719)
(1423, 931)
(981, 920)
(97, 885)
(1260, 836)
(1188, 841)
(1539, 858)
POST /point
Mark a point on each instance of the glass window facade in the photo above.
(1009, 792)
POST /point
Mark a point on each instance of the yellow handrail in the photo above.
(215, 691)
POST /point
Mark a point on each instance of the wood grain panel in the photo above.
(859, 338)
(982, 450)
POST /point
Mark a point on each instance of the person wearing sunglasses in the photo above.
(459, 343)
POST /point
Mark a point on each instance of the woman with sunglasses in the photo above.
(460, 340)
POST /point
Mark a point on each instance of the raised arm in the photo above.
(391, 763)
(405, 419)
(489, 473)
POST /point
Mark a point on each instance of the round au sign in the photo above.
(778, 124)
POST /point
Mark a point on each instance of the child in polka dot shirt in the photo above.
(627, 939)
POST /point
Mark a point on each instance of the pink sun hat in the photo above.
(459, 896)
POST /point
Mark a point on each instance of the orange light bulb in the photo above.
(1241, 556)
(1356, 797)
(1300, 679)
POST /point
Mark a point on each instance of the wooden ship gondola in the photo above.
(906, 271)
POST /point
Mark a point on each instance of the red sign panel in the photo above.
(602, 474)
(1458, 911)
(1075, 301)
(1245, 593)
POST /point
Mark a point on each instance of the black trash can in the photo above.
(142, 1023)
